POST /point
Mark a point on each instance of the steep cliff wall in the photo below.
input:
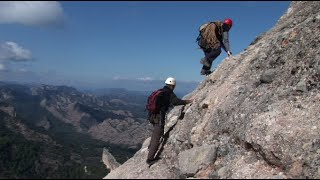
(256, 116)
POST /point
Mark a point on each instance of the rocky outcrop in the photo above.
(127, 132)
(110, 162)
(256, 116)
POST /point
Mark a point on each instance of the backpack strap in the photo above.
(219, 29)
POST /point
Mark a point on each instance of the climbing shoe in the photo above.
(152, 161)
(205, 72)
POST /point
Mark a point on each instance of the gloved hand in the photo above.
(189, 101)
(229, 53)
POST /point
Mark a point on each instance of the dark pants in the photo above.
(210, 56)
(158, 130)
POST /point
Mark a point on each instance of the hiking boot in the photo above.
(152, 161)
(205, 72)
(205, 62)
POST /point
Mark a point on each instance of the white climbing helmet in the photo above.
(171, 81)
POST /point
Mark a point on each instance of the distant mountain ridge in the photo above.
(86, 111)
(63, 125)
(183, 87)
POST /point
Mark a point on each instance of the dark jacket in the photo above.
(167, 98)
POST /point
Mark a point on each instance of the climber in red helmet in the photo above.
(213, 36)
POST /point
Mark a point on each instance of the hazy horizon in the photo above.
(182, 88)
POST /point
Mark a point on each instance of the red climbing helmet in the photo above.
(228, 21)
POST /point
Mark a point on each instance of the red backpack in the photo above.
(153, 105)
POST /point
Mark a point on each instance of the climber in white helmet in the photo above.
(165, 98)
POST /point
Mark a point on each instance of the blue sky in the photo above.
(88, 42)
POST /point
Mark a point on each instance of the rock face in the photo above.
(256, 116)
(109, 160)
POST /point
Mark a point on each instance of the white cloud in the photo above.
(146, 79)
(2, 67)
(23, 70)
(119, 78)
(11, 51)
(34, 13)
(133, 79)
